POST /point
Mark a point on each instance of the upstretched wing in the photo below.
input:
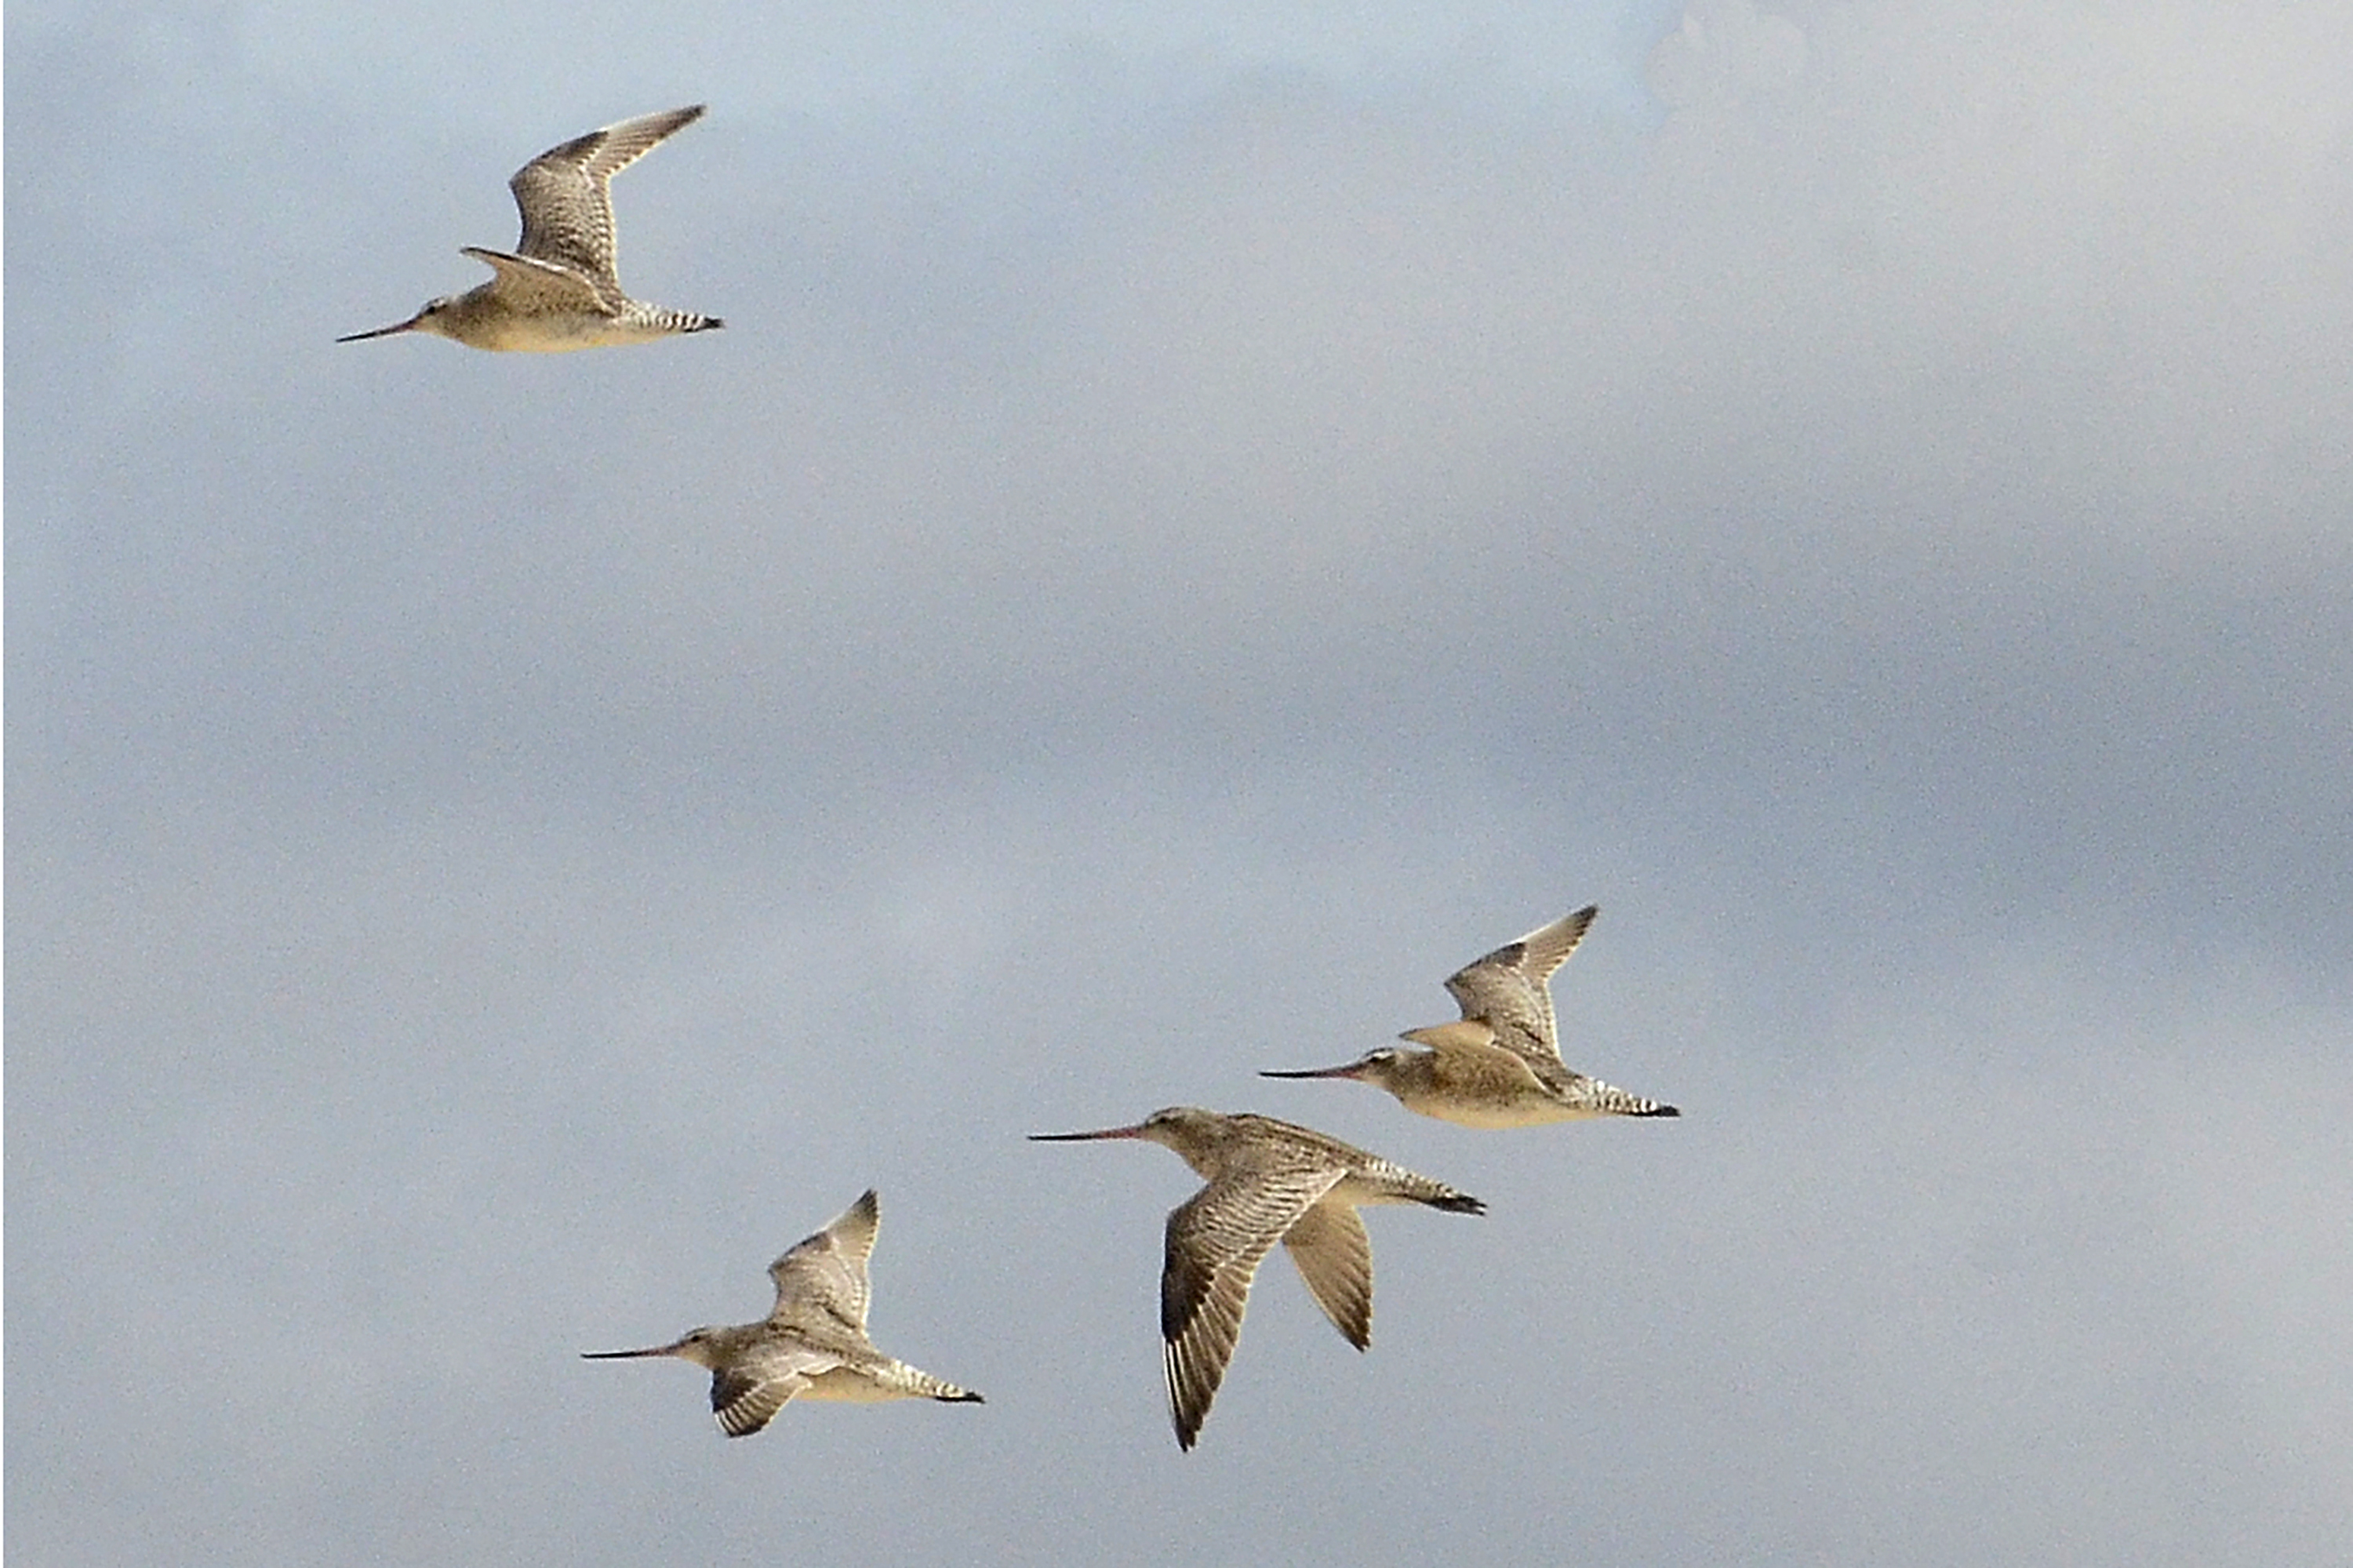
(822, 1280)
(565, 198)
(1216, 1241)
(1507, 990)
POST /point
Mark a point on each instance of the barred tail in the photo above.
(1438, 1195)
(1389, 1184)
(1591, 1097)
(644, 321)
(917, 1383)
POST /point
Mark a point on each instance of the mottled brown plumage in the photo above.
(1268, 1181)
(812, 1344)
(558, 289)
(1499, 1064)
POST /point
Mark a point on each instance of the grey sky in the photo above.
(1195, 528)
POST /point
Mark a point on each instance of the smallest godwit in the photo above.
(1268, 1181)
(1500, 1064)
(812, 1345)
(558, 290)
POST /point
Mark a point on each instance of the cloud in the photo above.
(1183, 542)
(1723, 52)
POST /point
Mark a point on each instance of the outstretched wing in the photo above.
(822, 1280)
(564, 195)
(1216, 1241)
(1507, 990)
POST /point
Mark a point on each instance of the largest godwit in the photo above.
(558, 290)
(1500, 1064)
(812, 1345)
(1268, 1181)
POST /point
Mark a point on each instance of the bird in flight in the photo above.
(558, 289)
(812, 1344)
(1499, 1064)
(1269, 1182)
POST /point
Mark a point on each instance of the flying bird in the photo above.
(557, 290)
(1268, 1181)
(1498, 1065)
(812, 1345)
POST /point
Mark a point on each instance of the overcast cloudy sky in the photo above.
(1202, 519)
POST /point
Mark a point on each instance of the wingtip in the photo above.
(1459, 1204)
(1568, 930)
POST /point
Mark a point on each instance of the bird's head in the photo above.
(434, 318)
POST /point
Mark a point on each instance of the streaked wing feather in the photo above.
(824, 1277)
(1548, 946)
(565, 198)
(1508, 990)
(1336, 1258)
(1216, 1241)
(746, 1396)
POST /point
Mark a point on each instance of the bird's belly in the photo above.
(1526, 1108)
(850, 1386)
(499, 324)
(549, 335)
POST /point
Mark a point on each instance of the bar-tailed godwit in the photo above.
(1268, 1181)
(1500, 1064)
(557, 290)
(812, 1345)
